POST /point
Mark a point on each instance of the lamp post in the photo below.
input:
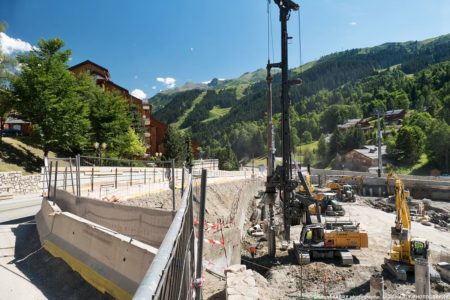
(96, 145)
(99, 148)
(102, 149)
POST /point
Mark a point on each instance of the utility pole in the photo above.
(380, 159)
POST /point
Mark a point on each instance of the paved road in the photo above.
(19, 207)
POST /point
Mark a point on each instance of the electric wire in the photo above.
(269, 32)
(300, 42)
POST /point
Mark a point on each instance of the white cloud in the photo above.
(154, 87)
(206, 82)
(353, 23)
(10, 45)
(168, 81)
(138, 94)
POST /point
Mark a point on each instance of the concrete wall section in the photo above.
(110, 261)
(144, 224)
(420, 186)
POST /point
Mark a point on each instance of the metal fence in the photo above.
(99, 178)
(172, 272)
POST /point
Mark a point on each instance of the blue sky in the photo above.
(196, 40)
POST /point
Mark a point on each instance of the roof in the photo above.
(371, 152)
(115, 85)
(88, 62)
(349, 123)
(394, 112)
(136, 99)
(15, 121)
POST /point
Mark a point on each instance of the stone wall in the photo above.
(15, 183)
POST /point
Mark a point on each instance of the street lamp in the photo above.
(99, 148)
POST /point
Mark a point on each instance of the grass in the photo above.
(216, 113)
(240, 90)
(188, 111)
(311, 147)
(19, 154)
(422, 167)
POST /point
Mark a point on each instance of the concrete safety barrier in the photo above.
(111, 247)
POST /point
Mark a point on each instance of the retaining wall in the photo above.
(230, 254)
(15, 183)
(419, 186)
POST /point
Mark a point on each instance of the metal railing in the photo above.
(172, 272)
(102, 177)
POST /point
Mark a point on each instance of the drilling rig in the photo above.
(281, 176)
(328, 241)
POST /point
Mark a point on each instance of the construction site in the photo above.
(109, 228)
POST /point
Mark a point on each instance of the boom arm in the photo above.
(402, 220)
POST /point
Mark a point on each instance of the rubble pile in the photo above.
(430, 216)
(442, 220)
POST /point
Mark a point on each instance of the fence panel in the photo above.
(172, 272)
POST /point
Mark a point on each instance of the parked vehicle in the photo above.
(10, 132)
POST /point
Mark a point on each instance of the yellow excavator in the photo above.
(405, 250)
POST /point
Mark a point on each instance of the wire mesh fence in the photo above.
(172, 272)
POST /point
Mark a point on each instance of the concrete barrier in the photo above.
(79, 231)
(148, 225)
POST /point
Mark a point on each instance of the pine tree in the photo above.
(49, 96)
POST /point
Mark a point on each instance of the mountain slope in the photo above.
(326, 82)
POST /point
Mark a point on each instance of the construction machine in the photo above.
(316, 239)
(328, 205)
(329, 240)
(404, 250)
(344, 191)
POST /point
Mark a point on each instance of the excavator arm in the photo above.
(402, 220)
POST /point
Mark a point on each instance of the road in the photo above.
(19, 207)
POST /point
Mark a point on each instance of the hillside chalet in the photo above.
(355, 123)
(362, 159)
(394, 116)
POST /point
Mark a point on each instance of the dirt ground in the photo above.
(285, 279)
